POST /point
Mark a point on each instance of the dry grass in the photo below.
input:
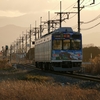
(29, 86)
(94, 67)
(4, 64)
(37, 78)
(28, 90)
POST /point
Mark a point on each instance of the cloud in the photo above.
(24, 6)
(11, 13)
(13, 8)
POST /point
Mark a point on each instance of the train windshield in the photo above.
(66, 44)
(57, 44)
(75, 44)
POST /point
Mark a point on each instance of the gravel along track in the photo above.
(56, 79)
(63, 80)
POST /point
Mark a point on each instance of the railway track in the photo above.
(80, 76)
(74, 75)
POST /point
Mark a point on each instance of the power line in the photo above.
(53, 9)
(70, 9)
(55, 6)
(95, 4)
(92, 20)
(71, 6)
(91, 27)
(74, 15)
(87, 1)
(54, 17)
(75, 26)
(81, 2)
(92, 5)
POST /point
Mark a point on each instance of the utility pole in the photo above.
(30, 35)
(36, 30)
(63, 13)
(60, 14)
(79, 16)
(79, 13)
(17, 46)
(10, 52)
(49, 22)
(26, 41)
(22, 42)
(40, 27)
(3, 51)
(93, 2)
(14, 46)
(79, 9)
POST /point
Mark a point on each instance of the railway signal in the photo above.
(6, 47)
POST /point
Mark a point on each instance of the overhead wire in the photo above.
(74, 27)
(73, 16)
(91, 27)
(81, 2)
(86, 2)
(92, 5)
(54, 9)
(76, 13)
(95, 4)
(92, 20)
(66, 9)
(70, 6)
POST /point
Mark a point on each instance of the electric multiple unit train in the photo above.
(60, 50)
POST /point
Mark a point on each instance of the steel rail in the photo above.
(79, 76)
(74, 75)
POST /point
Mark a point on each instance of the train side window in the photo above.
(57, 44)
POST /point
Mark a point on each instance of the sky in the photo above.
(29, 11)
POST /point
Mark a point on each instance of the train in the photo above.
(59, 50)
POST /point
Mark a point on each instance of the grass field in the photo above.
(30, 90)
(26, 86)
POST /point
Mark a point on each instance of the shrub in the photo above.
(94, 67)
(4, 64)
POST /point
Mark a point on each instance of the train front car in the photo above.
(66, 50)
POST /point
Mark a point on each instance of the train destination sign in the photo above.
(61, 36)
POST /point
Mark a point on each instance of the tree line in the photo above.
(90, 53)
